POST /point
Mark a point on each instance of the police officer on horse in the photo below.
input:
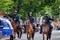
(15, 18)
(30, 16)
(48, 21)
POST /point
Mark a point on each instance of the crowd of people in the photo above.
(56, 24)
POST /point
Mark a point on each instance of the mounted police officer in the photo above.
(16, 20)
(30, 16)
(48, 21)
(15, 17)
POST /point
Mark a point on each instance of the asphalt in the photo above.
(38, 36)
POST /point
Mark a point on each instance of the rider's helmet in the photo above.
(30, 14)
(15, 12)
(46, 13)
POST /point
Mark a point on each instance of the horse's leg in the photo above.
(43, 36)
(33, 32)
(20, 33)
(14, 34)
(27, 36)
(47, 36)
(32, 36)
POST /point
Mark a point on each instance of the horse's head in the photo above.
(27, 21)
(43, 21)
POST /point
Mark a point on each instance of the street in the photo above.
(55, 36)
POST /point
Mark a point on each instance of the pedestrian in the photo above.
(15, 18)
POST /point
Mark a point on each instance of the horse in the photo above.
(46, 30)
(29, 30)
(14, 25)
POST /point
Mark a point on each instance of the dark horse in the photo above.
(29, 30)
(14, 25)
(46, 30)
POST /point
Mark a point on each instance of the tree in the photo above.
(36, 6)
(6, 5)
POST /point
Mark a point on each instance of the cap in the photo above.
(15, 11)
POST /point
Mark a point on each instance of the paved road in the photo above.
(55, 36)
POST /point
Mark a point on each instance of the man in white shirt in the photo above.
(41, 20)
(41, 23)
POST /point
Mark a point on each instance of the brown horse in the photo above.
(29, 30)
(46, 30)
(14, 25)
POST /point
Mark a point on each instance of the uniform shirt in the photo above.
(48, 19)
(15, 18)
(31, 19)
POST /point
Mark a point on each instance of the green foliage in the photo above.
(35, 6)
(5, 5)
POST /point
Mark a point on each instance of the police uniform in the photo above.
(31, 21)
(48, 19)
